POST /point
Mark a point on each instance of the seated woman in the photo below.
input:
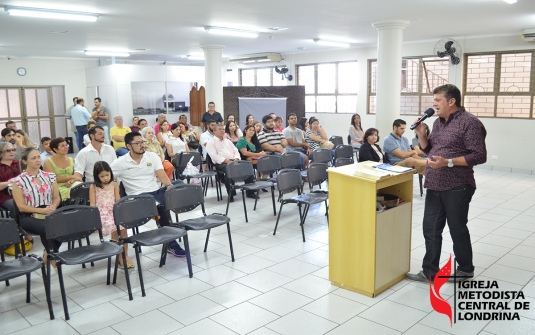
(315, 136)
(249, 120)
(36, 194)
(62, 166)
(175, 143)
(190, 135)
(9, 168)
(370, 150)
(355, 132)
(247, 148)
(303, 125)
(152, 145)
(23, 140)
(231, 132)
(416, 142)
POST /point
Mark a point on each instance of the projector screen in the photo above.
(258, 107)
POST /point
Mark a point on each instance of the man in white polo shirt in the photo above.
(94, 152)
(142, 173)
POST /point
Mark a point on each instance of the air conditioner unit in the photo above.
(257, 58)
(529, 35)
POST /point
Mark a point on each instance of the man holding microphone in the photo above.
(455, 145)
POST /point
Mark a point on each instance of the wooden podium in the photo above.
(368, 251)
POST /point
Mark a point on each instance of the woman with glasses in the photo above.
(152, 145)
(9, 168)
(62, 166)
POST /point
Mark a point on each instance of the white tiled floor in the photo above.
(279, 285)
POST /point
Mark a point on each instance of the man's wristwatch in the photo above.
(450, 162)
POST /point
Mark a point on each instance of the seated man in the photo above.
(296, 140)
(141, 173)
(272, 142)
(117, 136)
(207, 135)
(45, 149)
(222, 151)
(95, 151)
(398, 150)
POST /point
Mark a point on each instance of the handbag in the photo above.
(327, 145)
(191, 170)
(11, 249)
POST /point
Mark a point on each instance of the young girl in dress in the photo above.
(104, 193)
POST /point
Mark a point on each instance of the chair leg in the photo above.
(127, 275)
(230, 242)
(163, 256)
(206, 243)
(47, 292)
(420, 178)
(108, 276)
(62, 289)
(115, 269)
(89, 243)
(188, 255)
(141, 284)
(28, 283)
(278, 217)
(256, 199)
(229, 194)
(244, 206)
(273, 199)
(79, 245)
(3, 258)
(303, 218)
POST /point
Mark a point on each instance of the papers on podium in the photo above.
(376, 171)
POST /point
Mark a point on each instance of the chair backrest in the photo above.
(80, 191)
(349, 139)
(134, 210)
(343, 161)
(336, 140)
(184, 158)
(239, 170)
(9, 234)
(183, 198)
(343, 151)
(291, 160)
(268, 164)
(322, 156)
(317, 174)
(72, 223)
(289, 180)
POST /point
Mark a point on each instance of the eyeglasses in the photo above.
(11, 150)
(141, 144)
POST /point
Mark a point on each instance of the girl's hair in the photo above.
(247, 118)
(3, 148)
(312, 120)
(27, 142)
(90, 123)
(227, 128)
(230, 116)
(369, 132)
(175, 126)
(24, 157)
(99, 167)
(254, 125)
(303, 122)
(359, 126)
(182, 123)
(54, 144)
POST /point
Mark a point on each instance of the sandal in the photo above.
(53, 263)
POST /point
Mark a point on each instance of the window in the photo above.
(499, 84)
(419, 76)
(329, 87)
(265, 76)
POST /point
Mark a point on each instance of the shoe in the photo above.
(53, 263)
(420, 276)
(461, 276)
(264, 190)
(177, 251)
(231, 198)
(252, 196)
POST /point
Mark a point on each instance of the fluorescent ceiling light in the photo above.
(195, 57)
(231, 32)
(107, 53)
(332, 43)
(510, 1)
(51, 14)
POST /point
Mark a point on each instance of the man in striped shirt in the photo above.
(272, 142)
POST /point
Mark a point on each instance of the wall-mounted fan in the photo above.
(283, 71)
(450, 48)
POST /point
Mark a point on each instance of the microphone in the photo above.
(428, 113)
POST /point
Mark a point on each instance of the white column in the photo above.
(213, 76)
(389, 47)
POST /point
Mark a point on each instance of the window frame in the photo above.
(336, 94)
(420, 93)
(271, 75)
(496, 85)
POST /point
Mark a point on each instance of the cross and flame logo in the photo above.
(438, 303)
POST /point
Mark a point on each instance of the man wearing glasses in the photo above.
(142, 173)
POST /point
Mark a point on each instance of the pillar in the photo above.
(389, 58)
(213, 76)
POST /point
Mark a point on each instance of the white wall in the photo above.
(114, 84)
(510, 140)
(48, 72)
